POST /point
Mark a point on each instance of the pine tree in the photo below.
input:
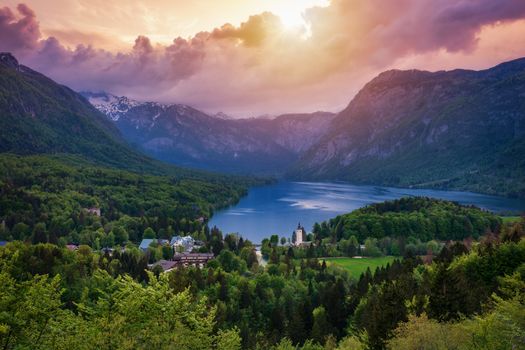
(39, 233)
(321, 328)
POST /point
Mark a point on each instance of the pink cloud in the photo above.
(259, 67)
(252, 32)
(18, 33)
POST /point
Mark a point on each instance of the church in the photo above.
(299, 235)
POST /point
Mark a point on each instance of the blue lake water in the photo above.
(276, 209)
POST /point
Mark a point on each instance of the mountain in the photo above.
(39, 116)
(183, 135)
(59, 154)
(457, 129)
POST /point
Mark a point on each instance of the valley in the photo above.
(454, 130)
(185, 136)
(395, 223)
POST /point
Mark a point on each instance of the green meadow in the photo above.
(510, 219)
(356, 266)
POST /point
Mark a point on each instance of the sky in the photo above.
(254, 57)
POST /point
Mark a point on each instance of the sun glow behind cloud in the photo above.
(292, 12)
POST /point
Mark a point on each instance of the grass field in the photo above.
(356, 266)
(510, 219)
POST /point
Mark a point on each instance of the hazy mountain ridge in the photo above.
(449, 129)
(186, 136)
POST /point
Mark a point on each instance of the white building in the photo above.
(93, 211)
(184, 244)
(300, 235)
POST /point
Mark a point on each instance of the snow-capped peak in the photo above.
(111, 105)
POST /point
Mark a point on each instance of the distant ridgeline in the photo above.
(40, 116)
(186, 136)
(417, 217)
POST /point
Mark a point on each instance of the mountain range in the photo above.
(457, 129)
(41, 117)
(183, 135)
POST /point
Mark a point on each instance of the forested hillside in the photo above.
(40, 116)
(46, 199)
(468, 298)
(417, 217)
(458, 129)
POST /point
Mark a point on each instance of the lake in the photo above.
(278, 208)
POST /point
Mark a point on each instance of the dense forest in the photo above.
(423, 218)
(415, 225)
(469, 297)
(46, 199)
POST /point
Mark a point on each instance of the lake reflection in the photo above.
(276, 209)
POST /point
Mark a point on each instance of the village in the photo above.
(165, 255)
(185, 250)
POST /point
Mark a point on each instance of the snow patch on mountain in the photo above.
(115, 107)
(112, 106)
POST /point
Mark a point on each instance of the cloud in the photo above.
(456, 25)
(260, 66)
(383, 31)
(252, 32)
(19, 33)
(72, 37)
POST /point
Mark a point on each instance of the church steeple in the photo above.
(300, 234)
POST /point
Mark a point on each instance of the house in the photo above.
(72, 247)
(184, 244)
(192, 259)
(93, 211)
(107, 250)
(166, 265)
(144, 245)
